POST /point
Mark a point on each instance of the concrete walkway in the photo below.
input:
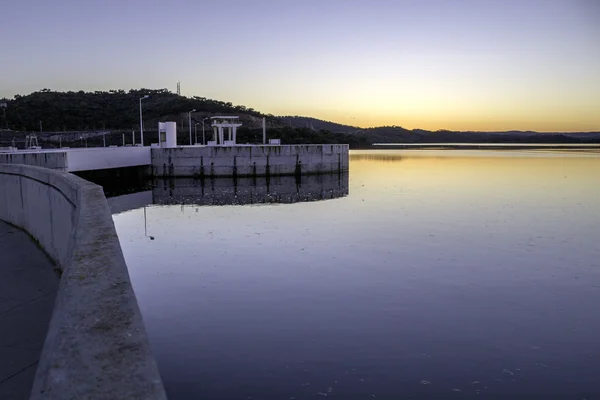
(28, 287)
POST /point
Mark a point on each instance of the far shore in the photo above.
(487, 146)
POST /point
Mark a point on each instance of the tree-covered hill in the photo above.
(117, 112)
(114, 109)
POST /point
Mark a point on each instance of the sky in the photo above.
(430, 64)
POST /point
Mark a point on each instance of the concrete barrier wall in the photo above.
(99, 158)
(96, 346)
(47, 159)
(249, 160)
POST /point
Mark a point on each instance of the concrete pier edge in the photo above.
(97, 346)
(194, 161)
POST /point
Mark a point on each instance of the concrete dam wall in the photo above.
(193, 161)
(96, 346)
(53, 160)
(229, 161)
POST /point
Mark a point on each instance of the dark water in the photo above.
(440, 275)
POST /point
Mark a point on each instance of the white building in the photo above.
(222, 124)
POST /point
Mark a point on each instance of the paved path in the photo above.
(28, 287)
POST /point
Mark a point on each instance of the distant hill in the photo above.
(401, 135)
(89, 115)
(398, 134)
(318, 124)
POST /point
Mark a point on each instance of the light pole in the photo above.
(141, 123)
(196, 132)
(203, 138)
(190, 123)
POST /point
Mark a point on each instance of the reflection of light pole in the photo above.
(196, 132)
(146, 226)
(190, 124)
(141, 124)
(203, 138)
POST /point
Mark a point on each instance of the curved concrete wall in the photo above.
(97, 346)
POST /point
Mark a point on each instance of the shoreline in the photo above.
(485, 146)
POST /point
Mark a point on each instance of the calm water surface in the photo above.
(424, 275)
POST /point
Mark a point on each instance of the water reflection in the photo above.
(466, 275)
(281, 189)
(219, 192)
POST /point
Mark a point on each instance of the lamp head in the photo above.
(194, 110)
(146, 97)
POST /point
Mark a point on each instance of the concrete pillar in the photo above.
(220, 135)
(234, 134)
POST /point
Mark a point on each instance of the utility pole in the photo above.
(141, 123)
(190, 124)
(203, 137)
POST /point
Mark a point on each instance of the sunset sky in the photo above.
(431, 64)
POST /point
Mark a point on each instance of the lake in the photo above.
(423, 274)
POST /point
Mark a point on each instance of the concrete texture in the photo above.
(249, 160)
(99, 158)
(80, 159)
(96, 346)
(194, 161)
(53, 159)
(28, 287)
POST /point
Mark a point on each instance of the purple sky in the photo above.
(455, 64)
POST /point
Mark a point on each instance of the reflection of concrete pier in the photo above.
(222, 191)
(281, 189)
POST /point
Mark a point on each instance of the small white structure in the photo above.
(167, 134)
(222, 123)
(31, 142)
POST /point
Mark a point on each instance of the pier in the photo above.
(192, 161)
